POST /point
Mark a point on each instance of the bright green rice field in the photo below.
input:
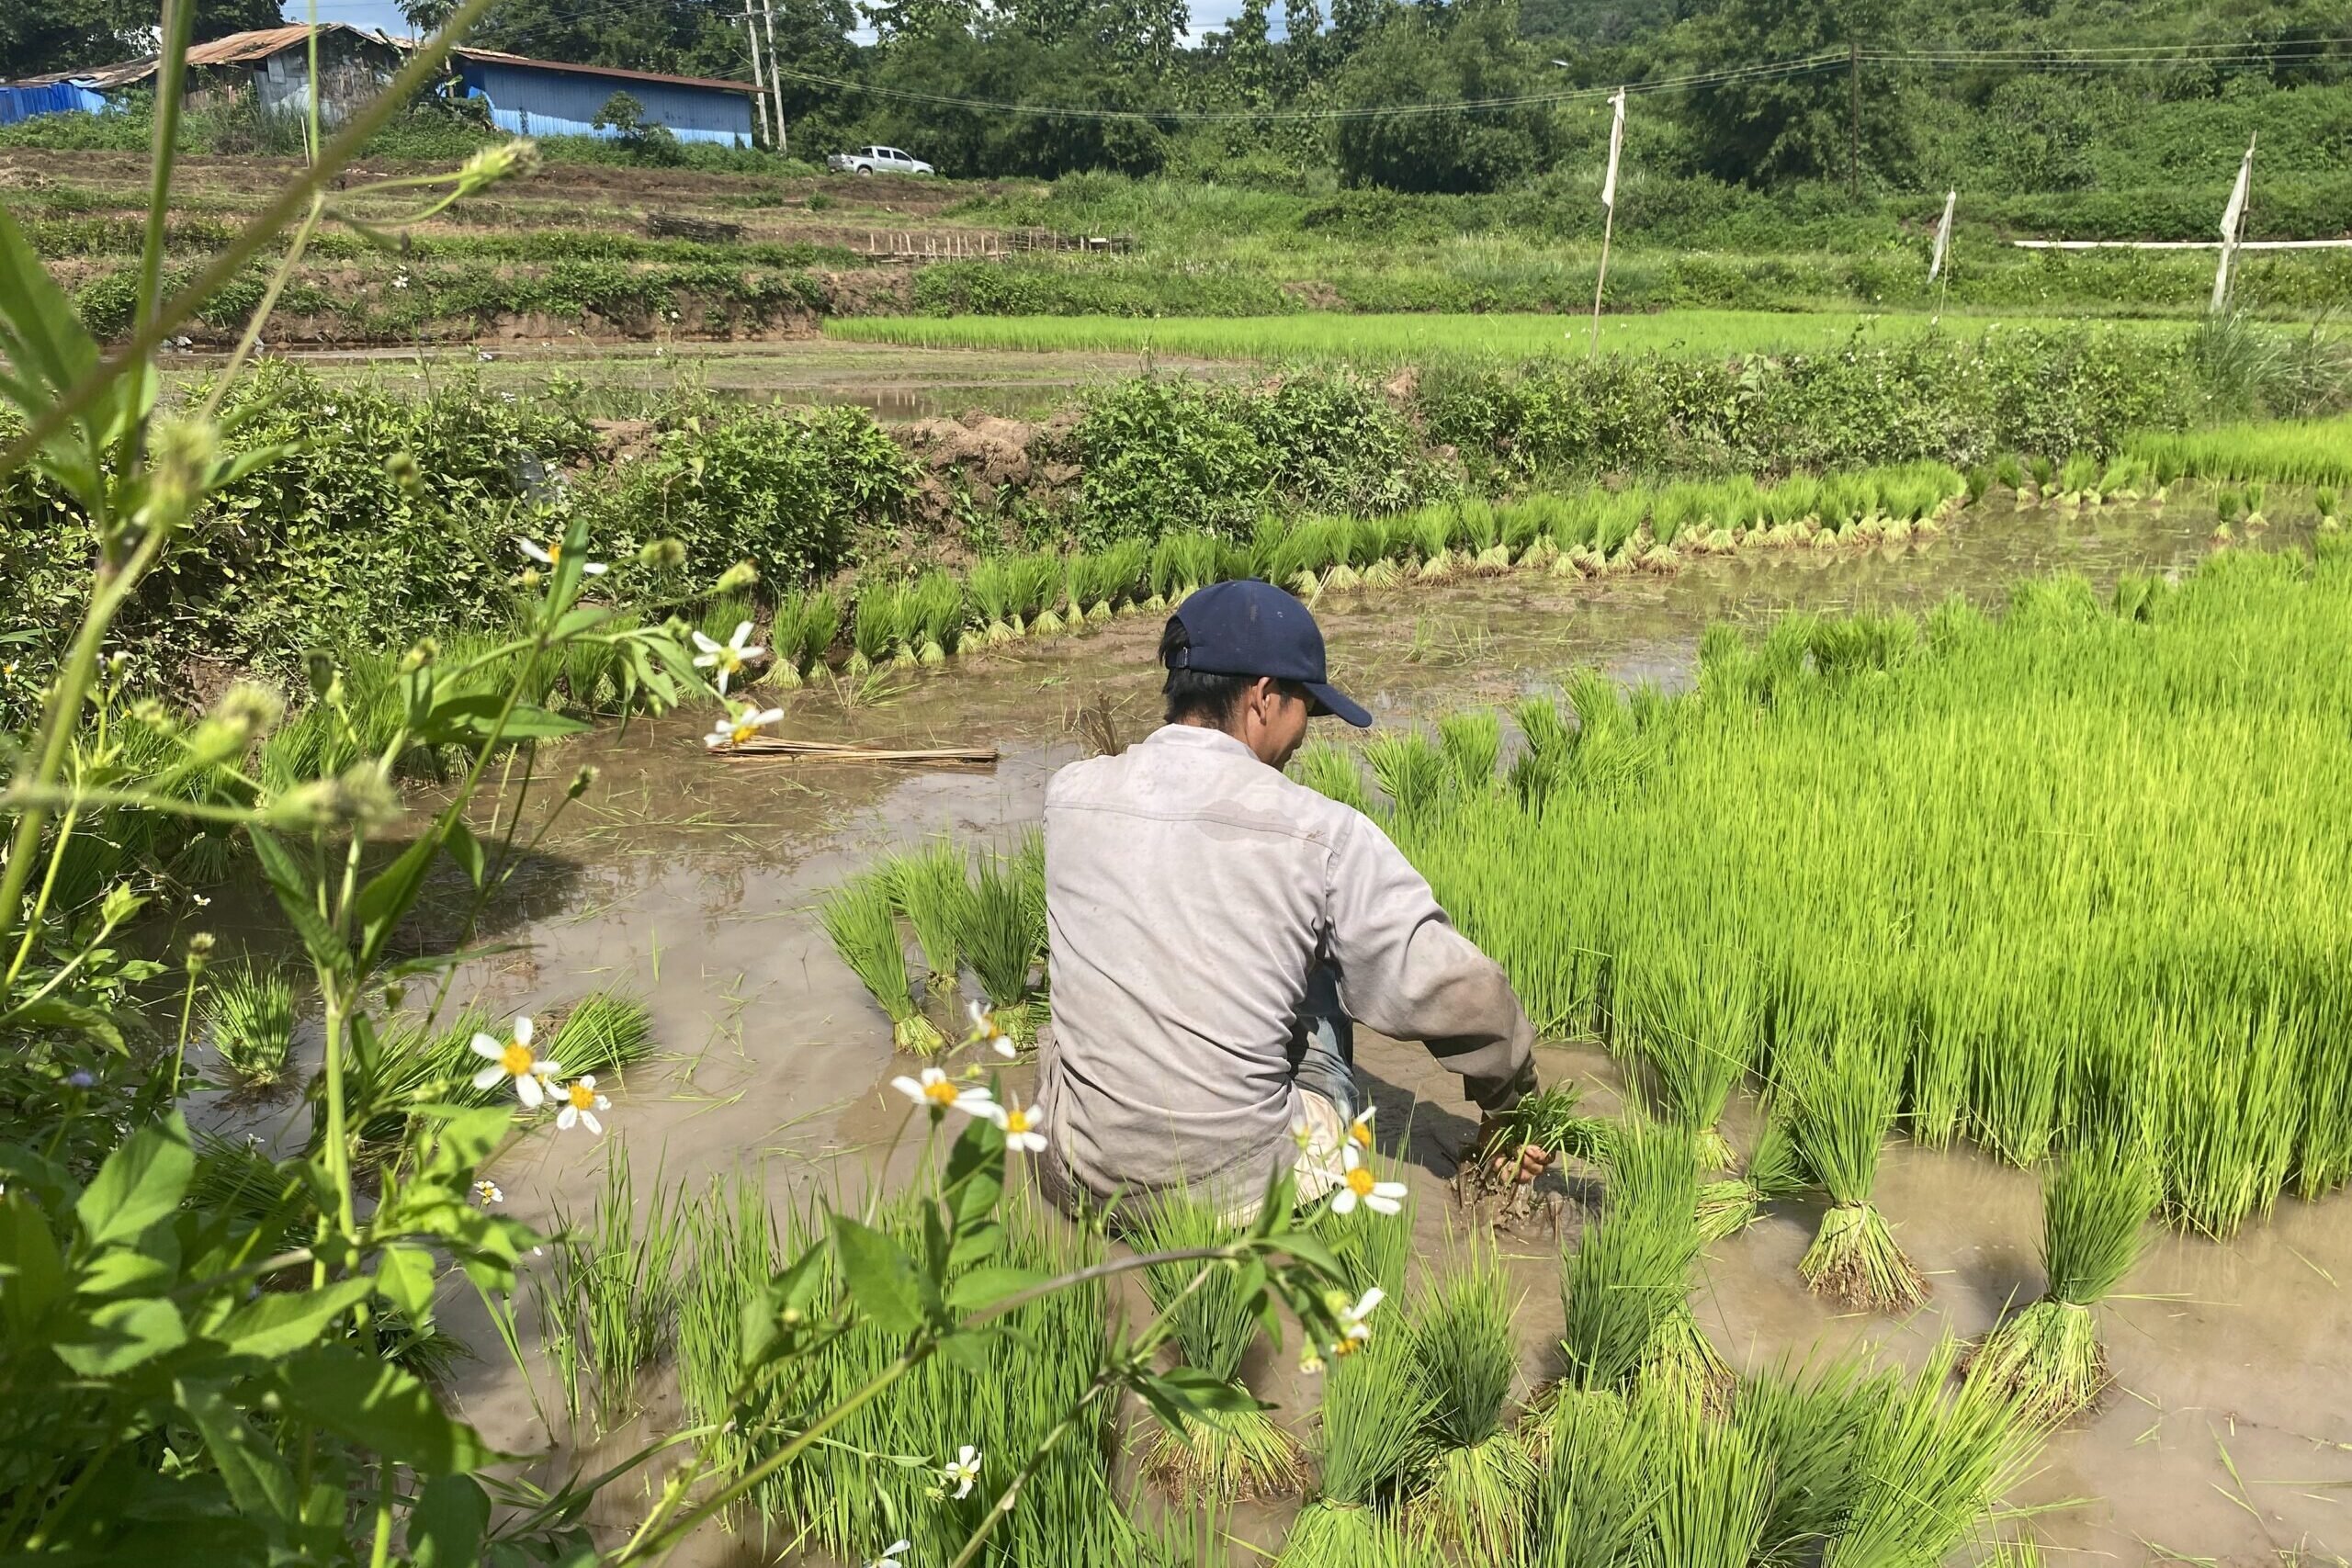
(1409, 337)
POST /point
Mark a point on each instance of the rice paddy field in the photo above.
(1415, 338)
(1932, 912)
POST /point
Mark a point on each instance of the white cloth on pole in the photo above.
(2232, 220)
(1943, 236)
(1616, 145)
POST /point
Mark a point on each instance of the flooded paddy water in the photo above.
(689, 881)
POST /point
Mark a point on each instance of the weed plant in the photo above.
(2094, 1204)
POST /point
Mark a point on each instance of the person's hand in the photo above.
(1528, 1162)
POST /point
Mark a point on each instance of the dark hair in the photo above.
(1198, 696)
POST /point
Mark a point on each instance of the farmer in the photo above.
(1215, 928)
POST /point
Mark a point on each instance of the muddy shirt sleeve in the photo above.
(1405, 971)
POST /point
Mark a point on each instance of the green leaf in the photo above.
(792, 1290)
(294, 897)
(147, 1267)
(467, 850)
(55, 1013)
(259, 1481)
(387, 896)
(122, 1334)
(882, 1280)
(139, 1183)
(405, 1275)
(1187, 1393)
(378, 1406)
(279, 1322)
(986, 1287)
(976, 1245)
(474, 717)
(445, 1528)
(32, 1270)
(975, 1173)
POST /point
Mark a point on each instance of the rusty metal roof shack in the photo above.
(354, 65)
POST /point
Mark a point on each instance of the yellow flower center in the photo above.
(1360, 1134)
(729, 657)
(743, 732)
(555, 553)
(582, 1097)
(1360, 1181)
(517, 1059)
(1347, 1346)
(938, 1091)
(1018, 1120)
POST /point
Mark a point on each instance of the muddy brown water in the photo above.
(2226, 1439)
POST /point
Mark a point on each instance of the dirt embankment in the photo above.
(981, 462)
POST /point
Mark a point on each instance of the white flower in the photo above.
(552, 556)
(1360, 1186)
(985, 1027)
(726, 657)
(1302, 1135)
(1020, 1124)
(1353, 1331)
(400, 282)
(936, 1089)
(1360, 1130)
(748, 721)
(514, 1059)
(891, 1555)
(580, 1103)
(489, 1193)
(963, 1472)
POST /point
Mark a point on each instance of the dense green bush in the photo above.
(1158, 453)
(1955, 401)
(785, 489)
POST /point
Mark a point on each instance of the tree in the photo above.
(41, 36)
(1422, 55)
(426, 17)
(1766, 130)
(697, 37)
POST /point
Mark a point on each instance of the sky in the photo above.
(1208, 15)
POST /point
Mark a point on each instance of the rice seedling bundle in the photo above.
(861, 918)
(2094, 1206)
(1304, 554)
(1225, 1456)
(998, 941)
(1331, 769)
(1041, 576)
(935, 605)
(1623, 1286)
(1471, 742)
(1815, 1424)
(820, 624)
(605, 1033)
(931, 887)
(2256, 492)
(1693, 1015)
(877, 1480)
(249, 1012)
(874, 629)
(1931, 1462)
(1715, 1488)
(1471, 1496)
(730, 1251)
(2330, 505)
(1410, 771)
(1843, 1091)
(996, 598)
(1774, 1172)
(1433, 533)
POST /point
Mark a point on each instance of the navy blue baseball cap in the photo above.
(1249, 627)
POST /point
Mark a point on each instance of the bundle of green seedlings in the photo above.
(1228, 1455)
(1375, 1409)
(1473, 1476)
(405, 1063)
(1690, 1014)
(1773, 1173)
(1625, 1289)
(1003, 938)
(249, 1012)
(2095, 1203)
(800, 634)
(861, 918)
(1841, 1081)
(932, 887)
(1992, 839)
(607, 1299)
(1550, 1119)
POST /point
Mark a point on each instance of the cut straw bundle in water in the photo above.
(2094, 1206)
(1842, 1088)
(861, 918)
(1472, 1494)
(1231, 1454)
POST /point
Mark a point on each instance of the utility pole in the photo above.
(1854, 146)
(775, 80)
(759, 77)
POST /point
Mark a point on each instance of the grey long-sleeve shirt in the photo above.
(1190, 889)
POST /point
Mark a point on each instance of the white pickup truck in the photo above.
(877, 161)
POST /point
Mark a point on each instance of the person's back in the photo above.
(1193, 895)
